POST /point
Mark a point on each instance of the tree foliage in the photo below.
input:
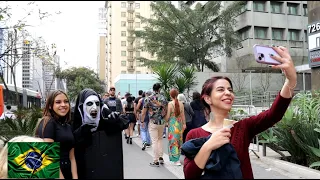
(79, 78)
(189, 37)
(14, 29)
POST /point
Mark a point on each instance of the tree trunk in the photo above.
(12, 67)
(7, 89)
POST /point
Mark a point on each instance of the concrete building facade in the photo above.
(121, 46)
(282, 23)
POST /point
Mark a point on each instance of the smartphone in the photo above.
(262, 54)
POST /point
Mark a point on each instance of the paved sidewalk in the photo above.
(260, 170)
(136, 164)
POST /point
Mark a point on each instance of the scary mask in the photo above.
(91, 110)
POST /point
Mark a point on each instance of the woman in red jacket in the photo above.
(217, 96)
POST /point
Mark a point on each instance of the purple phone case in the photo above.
(264, 53)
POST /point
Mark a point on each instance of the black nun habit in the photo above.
(97, 132)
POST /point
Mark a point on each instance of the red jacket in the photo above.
(241, 135)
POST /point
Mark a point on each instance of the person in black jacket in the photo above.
(198, 109)
(97, 132)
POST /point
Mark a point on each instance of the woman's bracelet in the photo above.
(291, 88)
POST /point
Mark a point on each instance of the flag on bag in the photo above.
(33, 159)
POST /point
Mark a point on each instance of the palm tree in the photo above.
(166, 75)
(189, 74)
(24, 124)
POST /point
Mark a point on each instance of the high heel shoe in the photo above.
(130, 140)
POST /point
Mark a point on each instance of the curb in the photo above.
(296, 169)
(175, 170)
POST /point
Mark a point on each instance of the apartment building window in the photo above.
(305, 35)
(260, 32)
(137, 5)
(131, 54)
(137, 24)
(277, 33)
(292, 8)
(276, 7)
(138, 72)
(305, 10)
(123, 24)
(293, 35)
(123, 53)
(123, 4)
(139, 63)
(130, 24)
(123, 43)
(244, 33)
(259, 6)
(123, 14)
(137, 14)
(123, 33)
(123, 63)
(137, 53)
(123, 72)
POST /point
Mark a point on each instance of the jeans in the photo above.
(144, 133)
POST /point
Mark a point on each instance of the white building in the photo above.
(121, 46)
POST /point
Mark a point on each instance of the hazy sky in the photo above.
(74, 30)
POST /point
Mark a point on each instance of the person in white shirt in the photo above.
(8, 114)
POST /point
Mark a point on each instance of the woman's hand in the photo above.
(288, 69)
(184, 127)
(286, 65)
(218, 139)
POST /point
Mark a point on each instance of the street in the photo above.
(136, 165)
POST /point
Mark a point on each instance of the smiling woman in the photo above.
(54, 127)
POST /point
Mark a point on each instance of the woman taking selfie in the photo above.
(54, 127)
(217, 96)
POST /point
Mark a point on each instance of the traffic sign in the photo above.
(313, 34)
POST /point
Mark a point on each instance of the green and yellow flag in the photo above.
(33, 160)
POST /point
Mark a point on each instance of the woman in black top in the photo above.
(129, 111)
(54, 127)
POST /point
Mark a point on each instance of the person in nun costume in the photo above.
(97, 132)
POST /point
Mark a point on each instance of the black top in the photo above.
(129, 108)
(137, 101)
(59, 132)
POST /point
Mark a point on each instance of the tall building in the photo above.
(49, 68)
(102, 65)
(267, 22)
(8, 60)
(27, 64)
(122, 47)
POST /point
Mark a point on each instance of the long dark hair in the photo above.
(49, 113)
(207, 89)
(174, 93)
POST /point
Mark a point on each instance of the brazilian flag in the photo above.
(33, 159)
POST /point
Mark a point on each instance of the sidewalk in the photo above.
(260, 170)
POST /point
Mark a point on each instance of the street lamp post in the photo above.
(250, 85)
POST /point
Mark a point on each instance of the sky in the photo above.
(74, 30)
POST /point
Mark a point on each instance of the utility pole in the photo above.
(313, 16)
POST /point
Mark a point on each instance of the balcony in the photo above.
(130, 38)
(130, 9)
(130, 58)
(130, 68)
(130, 28)
(130, 19)
(130, 2)
(130, 48)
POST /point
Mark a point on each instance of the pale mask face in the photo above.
(91, 107)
